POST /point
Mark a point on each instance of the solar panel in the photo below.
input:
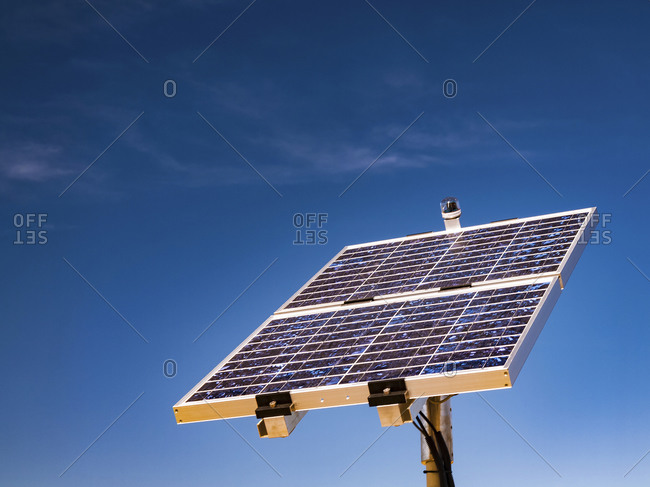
(447, 312)
(488, 252)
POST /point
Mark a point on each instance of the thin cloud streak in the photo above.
(382, 153)
(33, 162)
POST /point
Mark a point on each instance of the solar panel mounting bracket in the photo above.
(391, 399)
(456, 286)
(277, 414)
(273, 404)
(358, 300)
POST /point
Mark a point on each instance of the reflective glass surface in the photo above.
(471, 256)
(433, 335)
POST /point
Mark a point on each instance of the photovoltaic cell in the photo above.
(519, 248)
(432, 335)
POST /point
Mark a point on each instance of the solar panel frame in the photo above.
(589, 222)
(422, 385)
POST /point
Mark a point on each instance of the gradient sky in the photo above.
(170, 224)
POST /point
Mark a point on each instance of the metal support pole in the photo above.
(438, 410)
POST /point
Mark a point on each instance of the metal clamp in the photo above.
(390, 397)
(277, 414)
(273, 404)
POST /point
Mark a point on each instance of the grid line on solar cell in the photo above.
(508, 250)
(468, 263)
(502, 254)
(370, 276)
(471, 330)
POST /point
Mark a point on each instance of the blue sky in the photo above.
(170, 224)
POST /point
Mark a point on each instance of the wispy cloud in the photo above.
(310, 158)
(52, 141)
(32, 162)
(342, 151)
(293, 156)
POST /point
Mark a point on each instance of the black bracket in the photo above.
(387, 392)
(358, 300)
(273, 404)
(456, 286)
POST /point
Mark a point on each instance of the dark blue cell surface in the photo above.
(415, 264)
(433, 335)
